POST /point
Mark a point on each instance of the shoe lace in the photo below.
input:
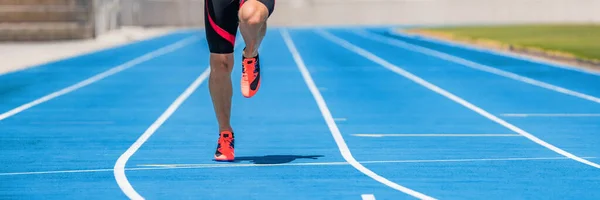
(225, 142)
(249, 61)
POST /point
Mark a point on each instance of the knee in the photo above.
(221, 63)
(251, 13)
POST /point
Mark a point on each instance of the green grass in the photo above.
(582, 41)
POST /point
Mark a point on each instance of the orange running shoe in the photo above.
(250, 76)
(225, 147)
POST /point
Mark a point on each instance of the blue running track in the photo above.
(342, 113)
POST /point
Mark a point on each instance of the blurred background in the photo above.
(27, 20)
(56, 29)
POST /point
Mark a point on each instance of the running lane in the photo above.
(90, 128)
(506, 97)
(20, 87)
(381, 101)
(572, 79)
(280, 125)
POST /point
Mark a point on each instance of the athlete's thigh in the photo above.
(221, 23)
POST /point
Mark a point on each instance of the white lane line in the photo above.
(449, 95)
(471, 160)
(340, 119)
(363, 162)
(368, 197)
(119, 168)
(436, 135)
(508, 54)
(335, 132)
(551, 114)
(107, 73)
(202, 166)
(475, 65)
(240, 165)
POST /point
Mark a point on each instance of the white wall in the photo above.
(162, 12)
(376, 12)
(349, 12)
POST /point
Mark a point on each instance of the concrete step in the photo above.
(42, 13)
(42, 2)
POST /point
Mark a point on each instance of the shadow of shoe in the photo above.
(274, 159)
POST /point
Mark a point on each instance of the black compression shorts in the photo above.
(221, 23)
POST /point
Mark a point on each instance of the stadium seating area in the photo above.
(39, 20)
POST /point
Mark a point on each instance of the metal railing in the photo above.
(106, 15)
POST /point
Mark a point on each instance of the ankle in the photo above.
(249, 53)
(228, 129)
